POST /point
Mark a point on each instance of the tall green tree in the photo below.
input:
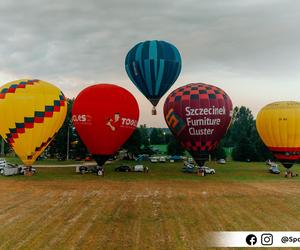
(145, 139)
(219, 152)
(64, 138)
(157, 136)
(174, 147)
(133, 144)
(243, 137)
(241, 134)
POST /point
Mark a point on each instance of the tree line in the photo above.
(241, 139)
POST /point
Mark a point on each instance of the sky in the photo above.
(249, 48)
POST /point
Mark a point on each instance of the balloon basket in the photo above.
(154, 112)
(28, 173)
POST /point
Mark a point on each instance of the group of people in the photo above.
(201, 171)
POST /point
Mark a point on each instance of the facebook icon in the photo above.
(251, 239)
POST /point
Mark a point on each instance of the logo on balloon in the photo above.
(203, 117)
(117, 121)
(175, 122)
(82, 118)
(112, 123)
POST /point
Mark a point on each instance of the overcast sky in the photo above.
(249, 48)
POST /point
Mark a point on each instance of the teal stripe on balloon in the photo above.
(139, 59)
(148, 76)
(160, 76)
(177, 55)
(153, 55)
(153, 50)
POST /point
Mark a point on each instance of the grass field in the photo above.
(165, 209)
(42, 162)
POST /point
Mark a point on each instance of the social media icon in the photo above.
(267, 239)
(251, 239)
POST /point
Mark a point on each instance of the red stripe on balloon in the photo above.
(284, 149)
(287, 157)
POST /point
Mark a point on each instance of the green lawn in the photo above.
(162, 148)
(165, 209)
(42, 162)
(230, 172)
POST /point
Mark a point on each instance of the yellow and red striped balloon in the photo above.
(31, 113)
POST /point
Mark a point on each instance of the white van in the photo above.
(138, 168)
(162, 159)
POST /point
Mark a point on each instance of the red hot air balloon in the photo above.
(198, 115)
(104, 115)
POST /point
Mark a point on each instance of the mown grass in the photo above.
(165, 209)
(232, 171)
(16, 160)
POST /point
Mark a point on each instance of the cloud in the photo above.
(238, 45)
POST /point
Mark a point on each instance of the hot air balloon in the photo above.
(198, 115)
(31, 113)
(104, 115)
(278, 126)
(153, 66)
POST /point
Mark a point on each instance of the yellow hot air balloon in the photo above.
(278, 125)
(31, 113)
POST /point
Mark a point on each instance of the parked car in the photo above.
(221, 161)
(7, 168)
(207, 170)
(189, 169)
(274, 169)
(11, 169)
(162, 159)
(2, 165)
(82, 169)
(175, 158)
(154, 159)
(123, 168)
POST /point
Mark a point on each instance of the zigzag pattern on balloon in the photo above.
(13, 88)
(37, 118)
(44, 144)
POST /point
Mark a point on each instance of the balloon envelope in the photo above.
(31, 113)
(278, 126)
(198, 115)
(105, 115)
(153, 66)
